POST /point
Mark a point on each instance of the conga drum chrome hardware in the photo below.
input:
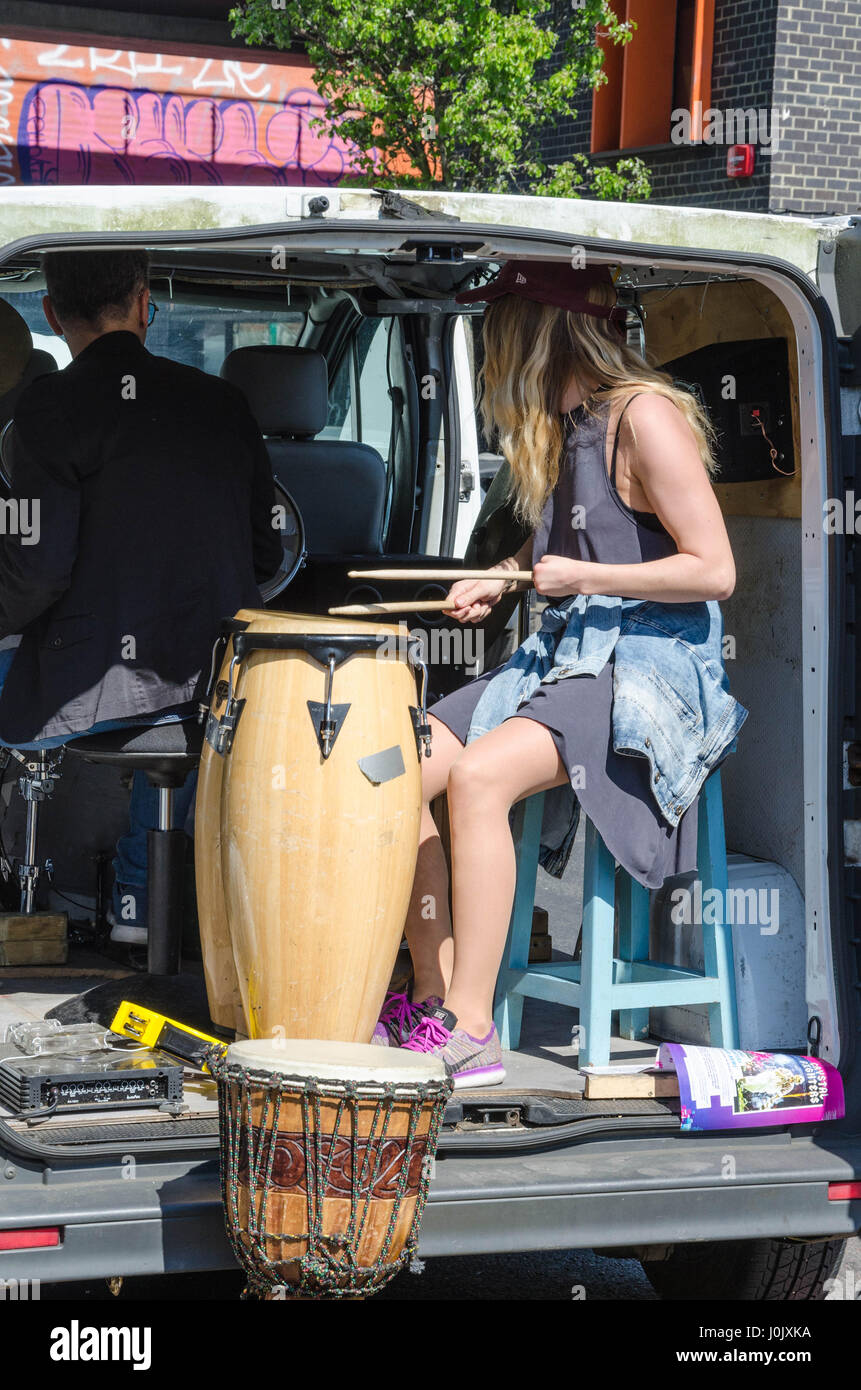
(329, 652)
(326, 1155)
(317, 803)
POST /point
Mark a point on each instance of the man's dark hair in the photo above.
(90, 286)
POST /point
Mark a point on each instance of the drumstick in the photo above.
(352, 610)
(443, 576)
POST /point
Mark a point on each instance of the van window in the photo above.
(200, 335)
(359, 405)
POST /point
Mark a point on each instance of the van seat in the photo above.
(339, 486)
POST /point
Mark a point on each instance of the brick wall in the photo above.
(817, 80)
(741, 78)
(761, 47)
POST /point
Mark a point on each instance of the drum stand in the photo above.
(36, 784)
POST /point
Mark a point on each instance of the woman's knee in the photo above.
(474, 780)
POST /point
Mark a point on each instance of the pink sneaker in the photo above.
(398, 1017)
(469, 1061)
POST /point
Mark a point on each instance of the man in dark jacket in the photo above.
(141, 514)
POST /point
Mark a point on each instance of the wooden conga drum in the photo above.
(326, 1152)
(222, 982)
(315, 724)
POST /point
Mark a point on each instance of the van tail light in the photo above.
(30, 1239)
(843, 1191)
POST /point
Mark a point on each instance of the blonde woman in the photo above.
(610, 468)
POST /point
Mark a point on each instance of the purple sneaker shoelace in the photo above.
(428, 1034)
(400, 1016)
(399, 1011)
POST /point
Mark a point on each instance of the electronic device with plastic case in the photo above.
(113, 1079)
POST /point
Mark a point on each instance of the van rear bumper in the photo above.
(623, 1193)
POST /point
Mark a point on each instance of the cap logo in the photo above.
(520, 279)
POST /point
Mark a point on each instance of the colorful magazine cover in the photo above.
(724, 1089)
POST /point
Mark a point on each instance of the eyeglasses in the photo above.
(153, 310)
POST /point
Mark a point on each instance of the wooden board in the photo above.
(36, 926)
(642, 1085)
(693, 317)
(540, 921)
(540, 948)
(38, 952)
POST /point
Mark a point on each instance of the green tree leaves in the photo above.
(450, 93)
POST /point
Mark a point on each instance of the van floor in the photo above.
(545, 1061)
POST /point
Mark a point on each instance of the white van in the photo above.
(771, 304)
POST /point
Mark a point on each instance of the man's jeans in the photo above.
(130, 864)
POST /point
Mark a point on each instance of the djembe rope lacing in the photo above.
(329, 1267)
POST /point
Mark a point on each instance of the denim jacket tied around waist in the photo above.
(671, 700)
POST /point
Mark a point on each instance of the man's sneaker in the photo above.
(126, 933)
(398, 1018)
(127, 915)
(469, 1061)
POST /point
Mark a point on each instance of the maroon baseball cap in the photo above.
(550, 282)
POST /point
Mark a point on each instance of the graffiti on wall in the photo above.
(75, 115)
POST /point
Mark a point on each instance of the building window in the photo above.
(665, 67)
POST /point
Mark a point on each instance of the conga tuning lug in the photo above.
(422, 731)
(420, 715)
(328, 721)
(220, 732)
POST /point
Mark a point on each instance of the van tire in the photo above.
(746, 1270)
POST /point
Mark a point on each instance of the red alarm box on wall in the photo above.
(740, 161)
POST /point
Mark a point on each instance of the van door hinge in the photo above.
(467, 480)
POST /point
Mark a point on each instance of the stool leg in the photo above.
(508, 1006)
(596, 968)
(165, 868)
(717, 937)
(634, 903)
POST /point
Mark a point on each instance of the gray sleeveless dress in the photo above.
(585, 519)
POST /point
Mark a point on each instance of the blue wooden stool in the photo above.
(601, 983)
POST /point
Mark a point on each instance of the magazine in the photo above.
(724, 1089)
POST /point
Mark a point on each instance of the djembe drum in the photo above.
(326, 1150)
(307, 823)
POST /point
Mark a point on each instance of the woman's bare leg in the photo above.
(428, 925)
(502, 767)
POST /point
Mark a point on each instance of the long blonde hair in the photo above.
(531, 352)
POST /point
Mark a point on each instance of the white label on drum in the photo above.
(384, 766)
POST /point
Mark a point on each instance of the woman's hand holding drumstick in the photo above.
(472, 599)
(469, 600)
